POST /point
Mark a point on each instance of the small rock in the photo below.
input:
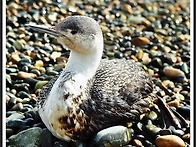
(178, 96)
(15, 57)
(15, 116)
(17, 107)
(152, 129)
(39, 63)
(54, 55)
(151, 115)
(18, 45)
(172, 72)
(9, 132)
(113, 136)
(174, 103)
(30, 137)
(186, 136)
(169, 141)
(25, 75)
(140, 41)
(137, 143)
(40, 84)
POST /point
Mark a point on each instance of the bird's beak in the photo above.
(44, 29)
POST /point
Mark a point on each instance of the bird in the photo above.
(91, 93)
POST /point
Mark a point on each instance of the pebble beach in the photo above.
(154, 34)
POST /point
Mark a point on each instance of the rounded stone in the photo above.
(140, 41)
(172, 72)
(25, 75)
(40, 84)
(30, 137)
(169, 141)
(113, 136)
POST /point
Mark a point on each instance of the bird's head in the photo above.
(80, 34)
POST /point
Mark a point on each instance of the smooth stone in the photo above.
(152, 129)
(15, 57)
(47, 47)
(186, 136)
(136, 19)
(26, 100)
(54, 55)
(152, 115)
(40, 84)
(169, 141)
(140, 41)
(23, 94)
(185, 68)
(178, 96)
(25, 75)
(15, 124)
(18, 45)
(137, 143)
(30, 137)
(31, 81)
(172, 72)
(11, 70)
(171, 58)
(174, 103)
(35, 71)
(17, 107)
(156, 62)
(39, 63)
(113, 136)
(52, 16)
(16, 115)
(184, 111)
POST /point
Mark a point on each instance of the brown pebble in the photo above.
(172, 72)
(146, 22)
(137, 143)
(17, 107)
(169, 141)
(174, 103)
(140, 41)
(25, 75)
(128, 8)
(21, 30)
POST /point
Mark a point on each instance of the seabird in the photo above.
(91, 93)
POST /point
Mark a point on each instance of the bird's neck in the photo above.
(83, 66)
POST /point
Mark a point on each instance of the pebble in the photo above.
(30, 137)
(39, 63)
(140, 41)
(137, 143)
(25, 75)
(15, 58)
(18, 45)
(172, 72)
(169, 141)
(40, 84)
(174, 103)
(17, 107)
(113, 136)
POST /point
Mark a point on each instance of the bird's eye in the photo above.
(73, 32)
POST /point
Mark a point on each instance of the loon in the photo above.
(91, 93)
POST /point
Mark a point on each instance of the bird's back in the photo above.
(119, 93)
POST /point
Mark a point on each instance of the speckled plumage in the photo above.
(119, 92)
(90, 94)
